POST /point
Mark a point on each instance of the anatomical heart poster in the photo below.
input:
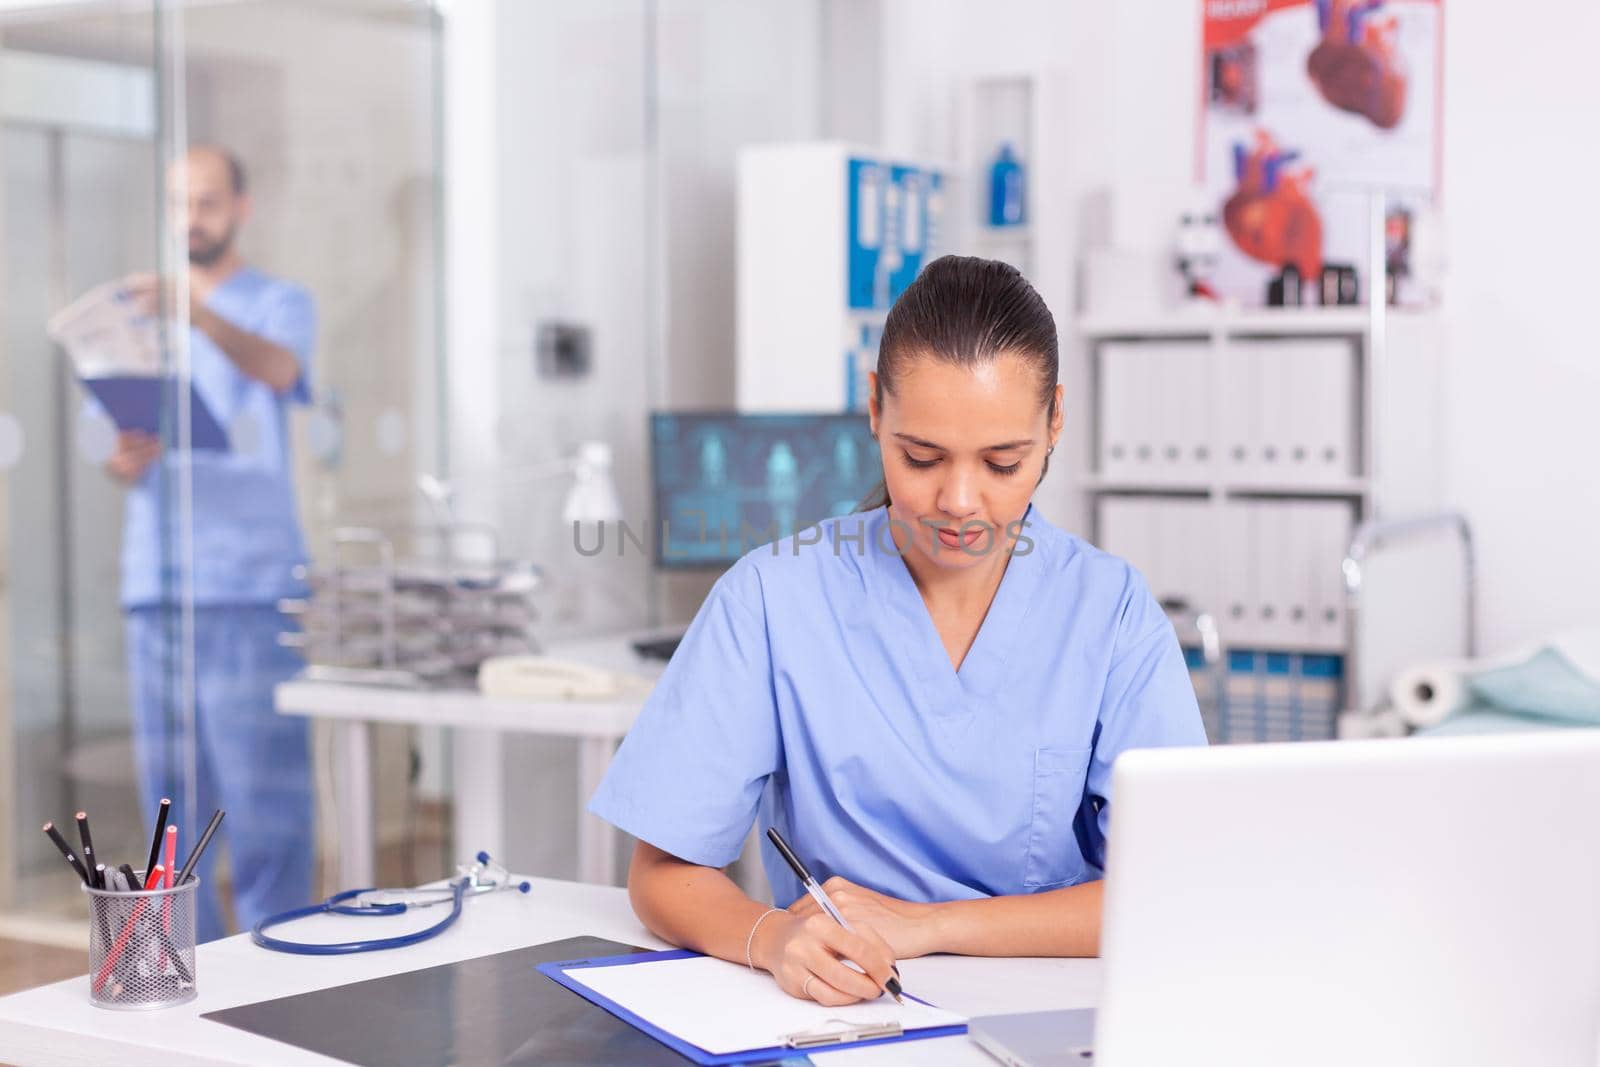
(1308, 105)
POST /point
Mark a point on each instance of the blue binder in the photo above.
(558, 971)
(136, 402)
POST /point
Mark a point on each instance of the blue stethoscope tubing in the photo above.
(335, 905)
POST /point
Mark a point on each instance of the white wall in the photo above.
(610, 178)
(1128, 119)
(1522, 224)
(1521, 369)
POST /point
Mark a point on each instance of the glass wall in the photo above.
(265, 169)
(79, 150)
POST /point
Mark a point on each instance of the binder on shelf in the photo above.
(1124, 530)
(1329, 526)
(1200, 401)
(1194, 534)
(1238, 616)
(1185, 389)
(1171, 411)
(1240, 416)
(1275, 374)
(1298, 520)
(1328, 406)
(1142, 414)
(1291, 414)
(1117, 397)
(1171, 542)
(1270, 578)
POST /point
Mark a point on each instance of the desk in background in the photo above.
(56, 1024)
(477, 767)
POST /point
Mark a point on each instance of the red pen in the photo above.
(169, 861)
(152, 880)
(169, 858)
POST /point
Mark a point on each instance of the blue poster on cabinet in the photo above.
(893, 222)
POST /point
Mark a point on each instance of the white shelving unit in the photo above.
(1396, 410)
(1393, 467)
(994, 110)
(1028, 107)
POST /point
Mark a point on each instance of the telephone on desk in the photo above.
(545, 678)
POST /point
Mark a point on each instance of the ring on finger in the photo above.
(805, 988)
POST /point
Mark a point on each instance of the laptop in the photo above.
(1420, 902)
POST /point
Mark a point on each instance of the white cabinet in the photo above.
(828, 236)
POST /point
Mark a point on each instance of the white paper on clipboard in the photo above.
(105, 334)
(724, 1008)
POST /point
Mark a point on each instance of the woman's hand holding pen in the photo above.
(806, 955)
(907, 927)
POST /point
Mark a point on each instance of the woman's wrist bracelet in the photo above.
(751, 940)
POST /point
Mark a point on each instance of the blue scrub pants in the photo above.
(248, 760)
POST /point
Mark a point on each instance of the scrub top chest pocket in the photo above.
(1053, 858)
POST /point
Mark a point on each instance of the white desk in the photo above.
(478, 771)
(57, 1025)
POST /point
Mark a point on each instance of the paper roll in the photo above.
(1426, 694)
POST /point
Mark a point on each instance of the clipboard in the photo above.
(137, 402)
(845, 1036)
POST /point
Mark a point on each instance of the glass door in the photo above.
(202, 159)
(78, 159)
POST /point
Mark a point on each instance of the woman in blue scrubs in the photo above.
(926, 698)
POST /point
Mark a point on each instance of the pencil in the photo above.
(200, 847)
(66, 850)
(88, 849)
(161, 826)
(151, 882)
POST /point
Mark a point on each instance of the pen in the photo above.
(152, 881)
(127, 881)
(66, 850)
(168, 859)
(161, 826)
(88, 849)
(128, 876)
(199, 847)
(810, 883)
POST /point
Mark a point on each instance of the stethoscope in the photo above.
(471, 880)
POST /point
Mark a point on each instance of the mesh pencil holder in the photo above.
(141, 947)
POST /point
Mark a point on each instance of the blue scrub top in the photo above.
(246, 528)
(812, 691)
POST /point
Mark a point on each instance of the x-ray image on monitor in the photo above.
(725, 483)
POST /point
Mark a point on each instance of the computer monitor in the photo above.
(725, 483)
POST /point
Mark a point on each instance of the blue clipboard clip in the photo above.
(848, 1034)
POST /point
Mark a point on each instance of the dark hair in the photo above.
(966, 311)
(237, 178)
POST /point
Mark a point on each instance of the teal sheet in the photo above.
(1546, 692)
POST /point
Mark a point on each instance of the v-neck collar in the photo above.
(909, 627)
(232, 281)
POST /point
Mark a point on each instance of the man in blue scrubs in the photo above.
(235, 543)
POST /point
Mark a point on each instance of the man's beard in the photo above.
(205, 255)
